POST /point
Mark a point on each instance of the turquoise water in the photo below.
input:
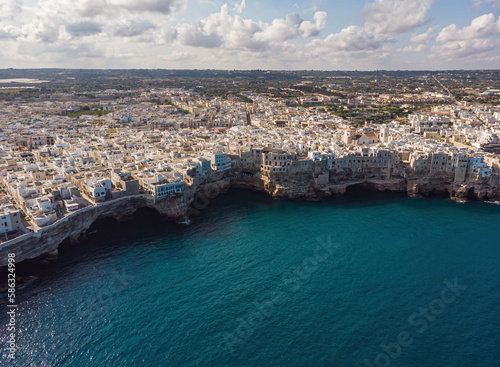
(260, 282)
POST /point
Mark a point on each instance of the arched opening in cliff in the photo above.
(104, 230)
(439, 194)
(105, 234)
(368, 192)
(471, 194)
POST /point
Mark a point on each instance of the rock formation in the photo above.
(197, 196)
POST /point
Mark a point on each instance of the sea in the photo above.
(366, 279)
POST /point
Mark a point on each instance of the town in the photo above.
(67, 152)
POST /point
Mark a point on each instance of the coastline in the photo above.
(196, 197)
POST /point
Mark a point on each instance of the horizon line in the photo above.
(246, 70)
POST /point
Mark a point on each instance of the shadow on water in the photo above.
(109, 235)
(108, 232)
(105, 234)
(358, 195)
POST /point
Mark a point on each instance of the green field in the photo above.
(88, 112)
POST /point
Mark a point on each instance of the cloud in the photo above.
(465, 48)
(476, 3)
(159, 6)
(166, 36)
(66, 49)
(418, 48)
(291, 27)
(309, 29)
(234, 32)
(195, 35)
(127, 33)
(9, 32)
(470, 40)
(280, 29)
(132, 28)
(109, 8)
(83, 50)
(50, 21)
(6, 35)
(423, 37)
(177, 56)
(495, 4)
(239, 7)
(84, 28)
(312, 5)
(352, 39)
(221, 30)
(41, 29)
(9, 8)
(395, 16)
(484, 26)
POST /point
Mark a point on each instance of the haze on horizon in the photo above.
(248, 34)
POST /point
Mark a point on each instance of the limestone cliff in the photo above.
(197, 196)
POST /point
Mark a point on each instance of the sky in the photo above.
(251, 34)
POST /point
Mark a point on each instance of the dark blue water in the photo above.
(259, 282)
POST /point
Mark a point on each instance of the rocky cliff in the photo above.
(198, 195)
(48, 239)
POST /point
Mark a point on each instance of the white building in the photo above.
(220, 162)
(97, 188)
(163, 185)
(10, 219)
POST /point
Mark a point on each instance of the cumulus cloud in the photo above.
(465, 48)
(418, 48)
(54, 32)
(292, 26)
(195, 35)
(484, 26)
(280, 29)
(221, 29)
(352, 39)
(309, 29)
(234, 32)
(49, 21)
(132, 28)
(110, 8)
(160, 6)
(6, 35)
(423, 37)
(166, 36)
(84, 8)
(41, 30)
(395, 16)
(84, 28)
(9, 8)
(9, 32)
(469, 41)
